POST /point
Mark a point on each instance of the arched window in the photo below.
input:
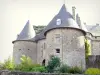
(58, 21)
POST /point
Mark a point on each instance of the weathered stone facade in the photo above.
(62, 37)
(95, 46)
(41, 48)
(27, 48)
(70, 42)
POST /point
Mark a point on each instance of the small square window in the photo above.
(57, 50)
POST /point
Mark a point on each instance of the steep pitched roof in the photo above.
(66, 20)
(27, 32)
(94, 29)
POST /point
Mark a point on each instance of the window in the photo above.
(58, 21)
(57, 50)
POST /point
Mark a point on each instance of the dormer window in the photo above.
(58, 21)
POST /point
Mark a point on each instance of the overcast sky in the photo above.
(15, 13)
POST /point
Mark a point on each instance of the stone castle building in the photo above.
(63, 37)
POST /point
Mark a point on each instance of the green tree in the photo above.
(53, 64)
(8, 64)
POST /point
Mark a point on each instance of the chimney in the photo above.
(84, 23)
(78, 20)
(97, 24)
(73, 12)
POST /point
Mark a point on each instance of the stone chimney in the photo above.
(97, 24)
(78, 20)
(73, 12)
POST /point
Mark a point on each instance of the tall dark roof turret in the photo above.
(27, 32)
(62, 19)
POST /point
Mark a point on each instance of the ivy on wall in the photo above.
(87, 48)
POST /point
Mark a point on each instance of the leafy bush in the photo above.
(27, 65)
(75, 70)
(8, 64)
(53, 64)
(39, 69)
(92, 71)
(64, 68)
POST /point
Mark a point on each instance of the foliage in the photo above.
(92, 71)
(87, 49)
(8, 64)
(39, 69)
(38, 29)
(53, 64)
(75, 70)
(27, 65)
(64, 68)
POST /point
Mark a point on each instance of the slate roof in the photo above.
(27, 32)
(66, 20)
(94, 29)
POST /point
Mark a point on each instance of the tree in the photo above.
(53, 64)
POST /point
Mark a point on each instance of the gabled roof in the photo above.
(94, 29)
(27, 32)
(66, 20)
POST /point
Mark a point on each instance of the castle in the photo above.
(63, 37)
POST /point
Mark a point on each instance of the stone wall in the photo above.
(93, 61)
(71, 45)
(32, 73)
(41, 47)
(95, 46)
(27, 48)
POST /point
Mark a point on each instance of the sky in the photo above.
(15, 13)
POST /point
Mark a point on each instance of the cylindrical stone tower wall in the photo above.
(68, 44)
(41, 47)
(27, 48)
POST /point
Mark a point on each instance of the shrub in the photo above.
(39, 69)
(64, 68)
(27, 65)
(53, 64)
(75, 70)
(8, 64)
(92, 71)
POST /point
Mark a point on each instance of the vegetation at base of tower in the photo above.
(92, 71)
(87, 49)
(64, 68)
(75, 70)
(53, 64)
(8, 64)
(27, 65)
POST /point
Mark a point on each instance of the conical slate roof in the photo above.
(27, 32)
(66, 20)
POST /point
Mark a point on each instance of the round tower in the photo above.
(25, 45)
(65, 39)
